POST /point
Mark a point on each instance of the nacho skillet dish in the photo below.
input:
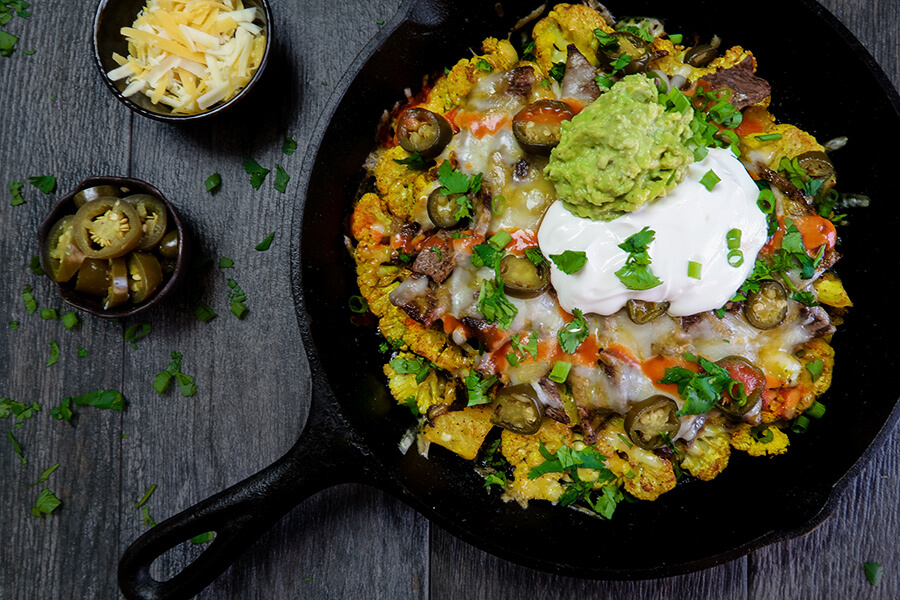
(598, 262)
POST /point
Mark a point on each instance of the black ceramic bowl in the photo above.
(92, 304)
(109, 19)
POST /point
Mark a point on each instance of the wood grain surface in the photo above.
(57, 118)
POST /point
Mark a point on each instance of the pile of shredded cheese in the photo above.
(190, 54)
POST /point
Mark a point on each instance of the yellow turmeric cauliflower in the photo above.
(567, 24)
(757, 445)
(642, 473)
(708, 454)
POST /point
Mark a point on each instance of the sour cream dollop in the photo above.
(691, 224)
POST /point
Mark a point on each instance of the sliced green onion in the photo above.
(497, 205)
(766, 201)
(800, 424)
(358, 304)
(768, 137)
(710, 180)
(676, 38)
(694, 269)
(500, 239)
(733, 237)
(560, 371)
(735, 258)
(816, 411)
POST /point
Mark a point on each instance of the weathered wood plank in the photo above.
(42, 132)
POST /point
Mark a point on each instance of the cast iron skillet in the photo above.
(834, 88)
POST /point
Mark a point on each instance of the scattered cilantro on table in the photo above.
(137, 332)
(45, 475)
(266, 243)
(46, 503)
(289, 146)
(237, 298)
(54, 353)
(874, 572)
(173, 371)
(256, 171)
(45, 183)
(281, 178)
(15, 190)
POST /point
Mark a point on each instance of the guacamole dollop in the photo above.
(621, 152)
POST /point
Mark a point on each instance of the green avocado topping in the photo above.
(621, 152)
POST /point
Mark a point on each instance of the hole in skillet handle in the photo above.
(328, 453)
(238, 516)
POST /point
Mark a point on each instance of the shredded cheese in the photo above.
(190, 54)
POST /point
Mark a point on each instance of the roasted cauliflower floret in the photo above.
(426, 390)
(567, 24)
(642, 473)
(524, 453)
(758, 442)
(708, 454)
(449, 91)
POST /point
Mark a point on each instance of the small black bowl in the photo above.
(109, 19)
(92, 304)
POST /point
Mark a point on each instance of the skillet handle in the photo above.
(325, 455)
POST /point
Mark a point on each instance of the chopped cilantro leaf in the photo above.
(54, 353)
(15, 187)
(28, 299)
(35, 265)
(281, 178)
(226, 263)
(70, 319)
(601, 495)
(477, 388)
(700, 391)
(573, 334)
(17, 448)
(413, 161)
(815, 368)
(45, 475)
(49, 314)
(237, 298)
(266, 243)
(7, 44)
(452, 181)
(569, 261)
(46, 503)
(483, 65)
(204, 313)
(412, 366)
(257, 173)
(636, 274)
(45, 183)
(137, 332)
(874, 572)
(494, 305)
(289, 146)
(173, 371)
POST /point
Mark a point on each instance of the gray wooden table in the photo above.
(56, 118)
